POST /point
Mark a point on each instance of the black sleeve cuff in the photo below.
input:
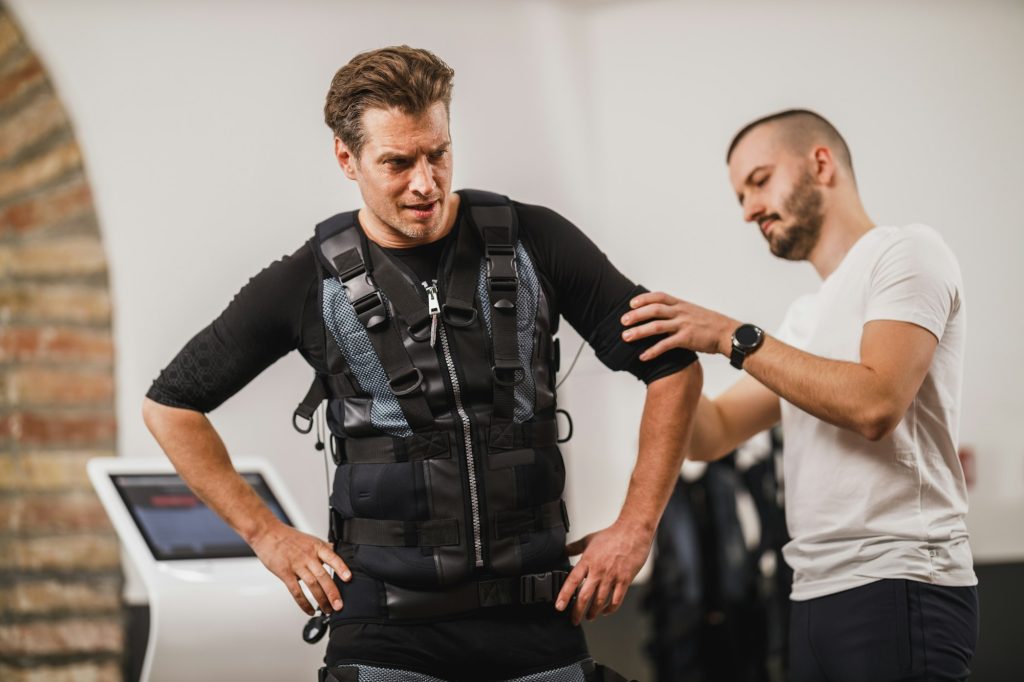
(617, 354)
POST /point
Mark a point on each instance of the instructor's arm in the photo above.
(199, 455)
(868, 397)
(611, 558)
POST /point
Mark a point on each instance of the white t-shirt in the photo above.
(860, 511)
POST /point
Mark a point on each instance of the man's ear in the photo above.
(346, 159)
(824, 165)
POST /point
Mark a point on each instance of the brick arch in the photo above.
(61, 616)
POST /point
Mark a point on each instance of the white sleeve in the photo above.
(917, 280)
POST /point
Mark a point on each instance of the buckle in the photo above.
(502, 275)
(370, 309)
(501, 262)
(538, 587)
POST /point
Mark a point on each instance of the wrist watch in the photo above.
(745, 340)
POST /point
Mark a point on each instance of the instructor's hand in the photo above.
(292, 556)
(685, 325)
(610, 560)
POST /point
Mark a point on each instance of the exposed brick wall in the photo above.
(61, 616)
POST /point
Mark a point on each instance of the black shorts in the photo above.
(887, 630)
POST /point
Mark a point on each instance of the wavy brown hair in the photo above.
(399, 77)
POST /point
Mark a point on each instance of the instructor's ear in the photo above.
(824, 166)
(346, 159)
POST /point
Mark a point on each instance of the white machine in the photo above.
(216, 613)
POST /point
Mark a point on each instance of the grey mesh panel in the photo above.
(350, 334)
(369, 673)
(570, 673)
(527, 301)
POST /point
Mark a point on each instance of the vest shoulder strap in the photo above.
(492, 215)
(343, 250)
(333, 237)
(496, 223)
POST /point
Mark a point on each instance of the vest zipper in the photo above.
(438, 329)
(434, 308)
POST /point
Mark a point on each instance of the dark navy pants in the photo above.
(887, 630)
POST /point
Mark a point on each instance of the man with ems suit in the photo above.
(428, 317)
(865, 376)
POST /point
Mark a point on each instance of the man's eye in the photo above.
(762, 181)
(395, 163)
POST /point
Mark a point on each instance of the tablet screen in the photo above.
(178, 525)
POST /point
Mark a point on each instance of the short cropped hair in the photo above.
(401, 77)
(800, 129)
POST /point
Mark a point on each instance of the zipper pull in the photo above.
(434, 308)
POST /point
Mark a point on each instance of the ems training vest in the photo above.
(441, 408)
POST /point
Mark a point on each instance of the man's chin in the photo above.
(417, 230)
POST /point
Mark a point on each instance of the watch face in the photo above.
(748, 336)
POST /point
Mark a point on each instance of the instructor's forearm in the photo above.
(844, 394)
(664, 429)
(198, 454)
(710, 439)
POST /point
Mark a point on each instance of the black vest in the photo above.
(442, 414)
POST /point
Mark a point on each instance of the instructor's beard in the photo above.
(804, 206)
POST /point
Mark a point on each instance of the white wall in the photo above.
(202, 132)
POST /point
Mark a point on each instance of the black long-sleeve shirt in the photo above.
(278, 311)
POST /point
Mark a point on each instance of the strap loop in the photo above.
(396, 383)
(457, 315)
(309, 422)
(508, 376)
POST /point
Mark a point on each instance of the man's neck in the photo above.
(839, 233)
(389, 238)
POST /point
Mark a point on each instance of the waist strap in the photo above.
(408, 604)
(386, 449)
(384, 533)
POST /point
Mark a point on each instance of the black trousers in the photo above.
(887, 630)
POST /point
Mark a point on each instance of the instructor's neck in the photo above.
(839, 233)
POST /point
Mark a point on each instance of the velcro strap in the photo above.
(387, 533)
(520, 521)
(386, 450)
(509, 436)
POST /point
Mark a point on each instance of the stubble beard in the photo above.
(804, 204)
(418, 231)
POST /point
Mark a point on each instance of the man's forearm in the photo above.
(199, 456)
(665, 427)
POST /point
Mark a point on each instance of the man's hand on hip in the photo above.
(610, 560)
(292, 556)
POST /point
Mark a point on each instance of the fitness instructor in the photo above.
(866, 378)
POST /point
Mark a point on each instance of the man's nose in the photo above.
(422, 180)
(752, 210)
